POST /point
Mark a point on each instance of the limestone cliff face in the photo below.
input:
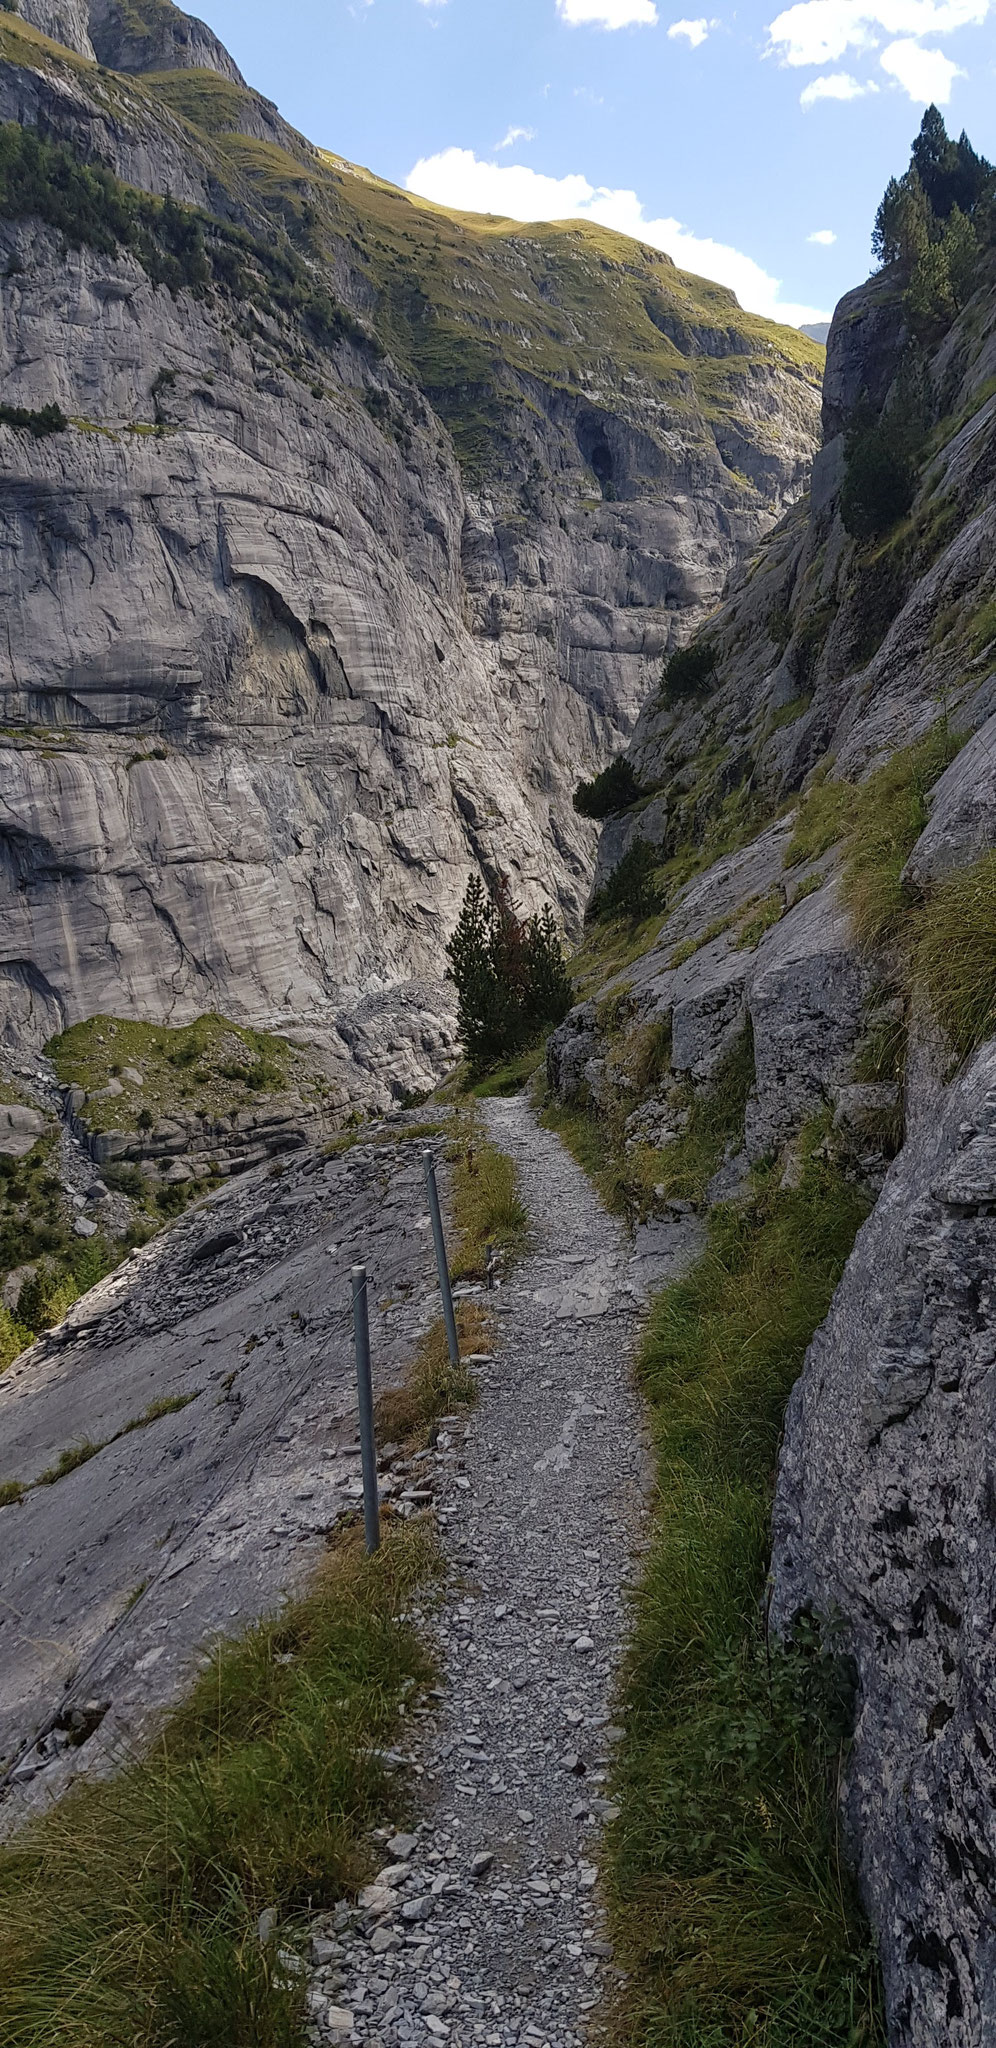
(278, 669)
(838, 657)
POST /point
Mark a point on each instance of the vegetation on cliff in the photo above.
(934, 223)
(613, 789)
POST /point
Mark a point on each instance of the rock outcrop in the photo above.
(279, 669)
(885, 1516)
(212, 1382)
(845, 672)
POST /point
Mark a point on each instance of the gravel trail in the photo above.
(484, 1925)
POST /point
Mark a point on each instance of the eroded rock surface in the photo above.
(214, 1373)
(884, 1519)
(278, 671)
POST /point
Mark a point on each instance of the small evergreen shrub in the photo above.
(632, 889)
(880, 480)
(688, 670)
(511, 978)
(614, 789)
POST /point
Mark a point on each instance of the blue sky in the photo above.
(752, 144)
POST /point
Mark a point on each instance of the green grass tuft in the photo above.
(768, 913)
(877, 824)
(69, 1461)
(513, 1077)
(128, 1913)
(637, 1181)
(732, 1914)
(982, 627)
(955, 954)
(487, 1208)
(822, 818)
(888, 816)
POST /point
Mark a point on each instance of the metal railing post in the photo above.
(449, 1317)
(364, 1389)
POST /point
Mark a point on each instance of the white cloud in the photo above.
(608, 13)
(925, 74)
(696, 31)
(820, 31)
(835, 85)
(824, 236)
(456, 177)
(514, 135)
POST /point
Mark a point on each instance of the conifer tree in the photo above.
(511, 978)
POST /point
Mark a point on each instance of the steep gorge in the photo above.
(365, 535)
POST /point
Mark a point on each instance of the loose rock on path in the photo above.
(483, 1925)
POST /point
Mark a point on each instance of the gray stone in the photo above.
(962, 811)
(882, 1520)
(20, 1128)
(351, 583)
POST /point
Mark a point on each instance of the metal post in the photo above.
(449, 1318)
(364, 1387)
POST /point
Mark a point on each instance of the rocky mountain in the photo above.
(340, 534)
(817, 820)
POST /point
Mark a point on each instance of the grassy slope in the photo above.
(462, 300)
(128, 1914)
(211, 1065)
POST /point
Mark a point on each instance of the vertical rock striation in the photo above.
(302, 622)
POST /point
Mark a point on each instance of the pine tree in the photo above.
(960, 243)
(935, 160)
(548, 984)
(887, 244)
(511, 979)
(481, 1004)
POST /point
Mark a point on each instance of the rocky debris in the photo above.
(228, 1341)
(207, 1146)
(483, 1923)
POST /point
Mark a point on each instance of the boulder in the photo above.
(20, 1128)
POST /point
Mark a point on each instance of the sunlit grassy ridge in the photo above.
(469, 305)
